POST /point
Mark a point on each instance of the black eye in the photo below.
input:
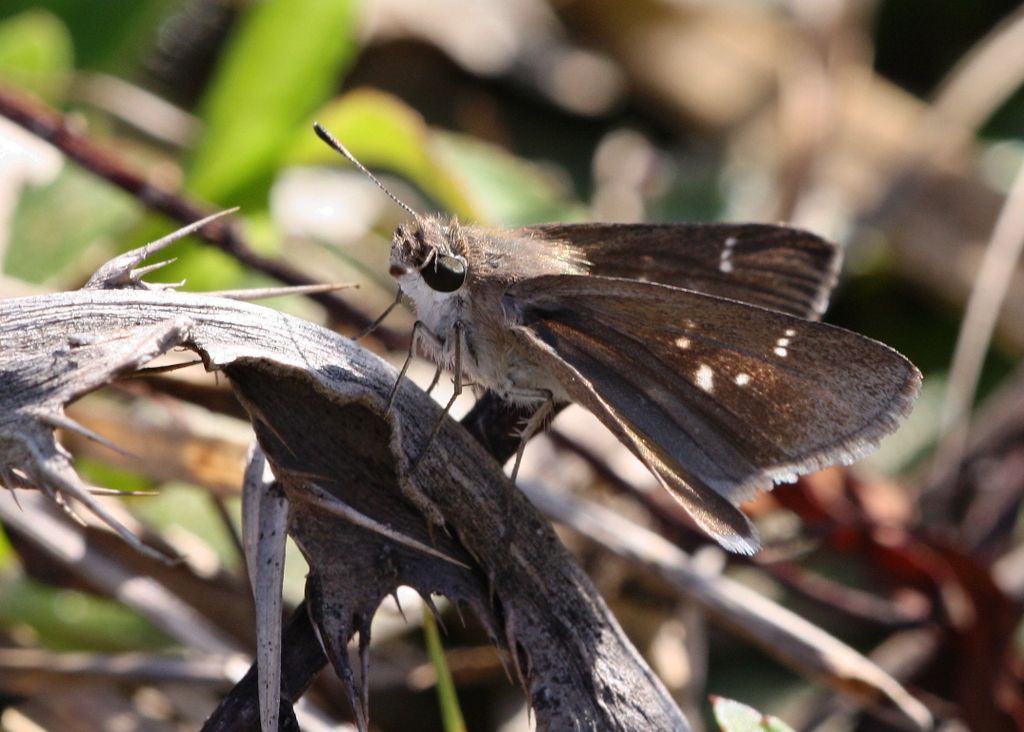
(444, 273)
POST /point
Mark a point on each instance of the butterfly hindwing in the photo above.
(725, 396)
(775, 267)
(711, 511)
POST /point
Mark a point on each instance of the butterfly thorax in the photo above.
(492, 260)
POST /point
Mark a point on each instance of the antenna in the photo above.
(333, 142)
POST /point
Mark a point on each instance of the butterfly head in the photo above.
(429, 253)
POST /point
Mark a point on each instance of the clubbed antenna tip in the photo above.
(331, 140)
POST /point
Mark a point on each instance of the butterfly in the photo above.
(698, 345)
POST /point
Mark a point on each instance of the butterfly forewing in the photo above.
(775, 267)
(728, 396)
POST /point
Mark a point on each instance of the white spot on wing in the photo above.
(725, 258)
(783, 343)
(683, 342)
(742, 379)
(705, 378)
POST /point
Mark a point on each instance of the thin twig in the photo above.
(985, 76)
(990, 287)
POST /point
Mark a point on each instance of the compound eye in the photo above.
(444, 273)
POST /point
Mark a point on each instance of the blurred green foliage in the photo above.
(36, 53)
(73, 620)
(63, 219)
(283, 61)
(108, 34)
(732, 716)
(381, 131)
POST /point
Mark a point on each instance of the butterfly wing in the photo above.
(710, 510)
(775, 267)
(718, 398)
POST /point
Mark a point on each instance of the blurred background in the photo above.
(895, 128)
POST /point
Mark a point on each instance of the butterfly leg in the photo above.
(534, 424)
(437, 378)
(419, 330)
(380, 319)
(456, 391)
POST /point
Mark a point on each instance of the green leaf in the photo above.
(8, 557)
(451, 712)
(732, 716)
(474, 180)
(190, 508)
(507, 189)
(282, 63)
(70, 620)
(381, 131)
(36, 53)
(55, 224)
(105, 31)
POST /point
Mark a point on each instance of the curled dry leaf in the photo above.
(317, 401)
